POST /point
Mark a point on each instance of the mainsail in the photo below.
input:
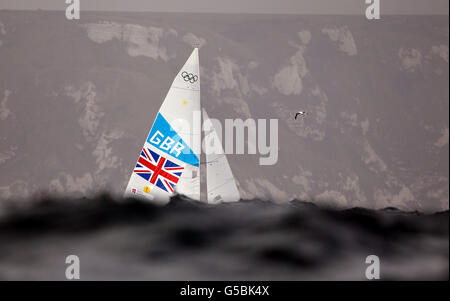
(169, 159)
(220, 183)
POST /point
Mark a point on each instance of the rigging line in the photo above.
(205, 162)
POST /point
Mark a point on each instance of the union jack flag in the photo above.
(158, 170)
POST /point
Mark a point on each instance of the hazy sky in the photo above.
(242, 6)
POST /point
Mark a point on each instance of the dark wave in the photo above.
(185, 240)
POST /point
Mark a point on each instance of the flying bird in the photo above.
(301, 113)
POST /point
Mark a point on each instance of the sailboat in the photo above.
(169, 161)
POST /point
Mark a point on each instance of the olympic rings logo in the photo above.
(189, 77)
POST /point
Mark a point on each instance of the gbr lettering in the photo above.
(168, 144)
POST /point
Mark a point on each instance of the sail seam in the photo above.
(186, 89)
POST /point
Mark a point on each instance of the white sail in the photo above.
(220, 185)
(169, 159)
